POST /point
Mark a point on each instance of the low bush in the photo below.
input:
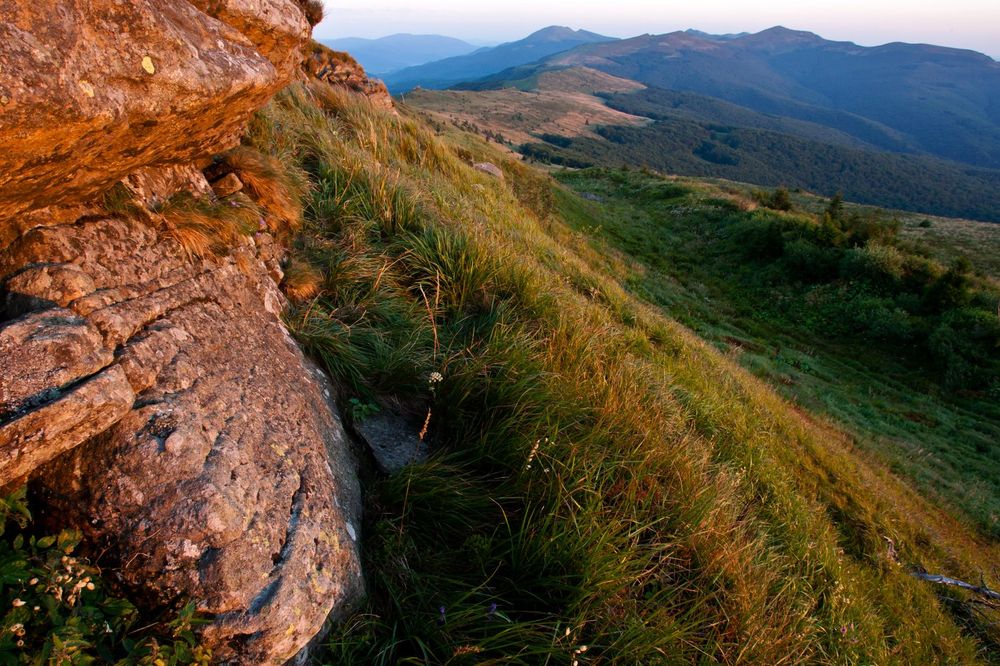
(58, 609)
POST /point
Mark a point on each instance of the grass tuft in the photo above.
(276, 187)
(302, 281)
(314, 11)
(203, 227)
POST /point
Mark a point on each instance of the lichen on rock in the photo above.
(153, 397)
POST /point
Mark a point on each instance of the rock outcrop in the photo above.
(153, 398)
(341, 70)
(91, 91)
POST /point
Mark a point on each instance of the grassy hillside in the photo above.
(678, 145)
(844, 326)
(945, 239)
(611, 480)
(605, 486)
(578, 117)
(563, 104)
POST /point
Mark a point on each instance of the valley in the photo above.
(580, 117)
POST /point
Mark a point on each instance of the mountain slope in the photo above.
(388, 54)
(536, 46)
(601, 476)
(698, 135)
(557, 103)
(907, 182)
(904, 97)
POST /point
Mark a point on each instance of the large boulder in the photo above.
(204, 450)
(91, 90)
(151, 396)
(277, 28)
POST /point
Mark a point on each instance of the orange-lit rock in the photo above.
(154, 398)
(92, 90)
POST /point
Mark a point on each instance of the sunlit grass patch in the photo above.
(600, 476)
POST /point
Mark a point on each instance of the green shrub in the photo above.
(952, 289)
(809, 262)
(879, 265)
(779, 199)
(59, 610)
(758, 238)
(964, 346)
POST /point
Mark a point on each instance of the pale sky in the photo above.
(973, 24)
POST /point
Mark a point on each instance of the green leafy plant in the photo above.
(58, 610)
(362, 411)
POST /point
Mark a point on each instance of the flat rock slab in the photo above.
(489, 168)
(394, 441)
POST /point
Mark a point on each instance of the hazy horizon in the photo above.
(968, 24)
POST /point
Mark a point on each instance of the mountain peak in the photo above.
(560, 33)
(779, 34)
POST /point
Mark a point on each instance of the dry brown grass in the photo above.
(302, 281)
(204, 228)
(519, 115)
(313, 10)
(274, 186)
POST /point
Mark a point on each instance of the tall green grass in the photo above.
(809, 337)
(604, 486)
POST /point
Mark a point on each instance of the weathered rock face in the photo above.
(91, 90)
(211, 460)
(204, 449)
(154, 399)
(340, 69)
(277, 28)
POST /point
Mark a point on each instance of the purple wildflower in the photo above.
(441, 616)
(492, 611)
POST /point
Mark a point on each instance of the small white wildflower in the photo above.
(14, 628)
(436, 377)
(90, 586)
(531, 458)
(17, 603)
(33, 581)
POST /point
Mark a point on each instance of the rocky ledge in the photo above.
(152, 397)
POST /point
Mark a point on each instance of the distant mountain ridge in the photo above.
(906, 126)
(907, 98)
(902, 97)
(450, 71)
(394, 52)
